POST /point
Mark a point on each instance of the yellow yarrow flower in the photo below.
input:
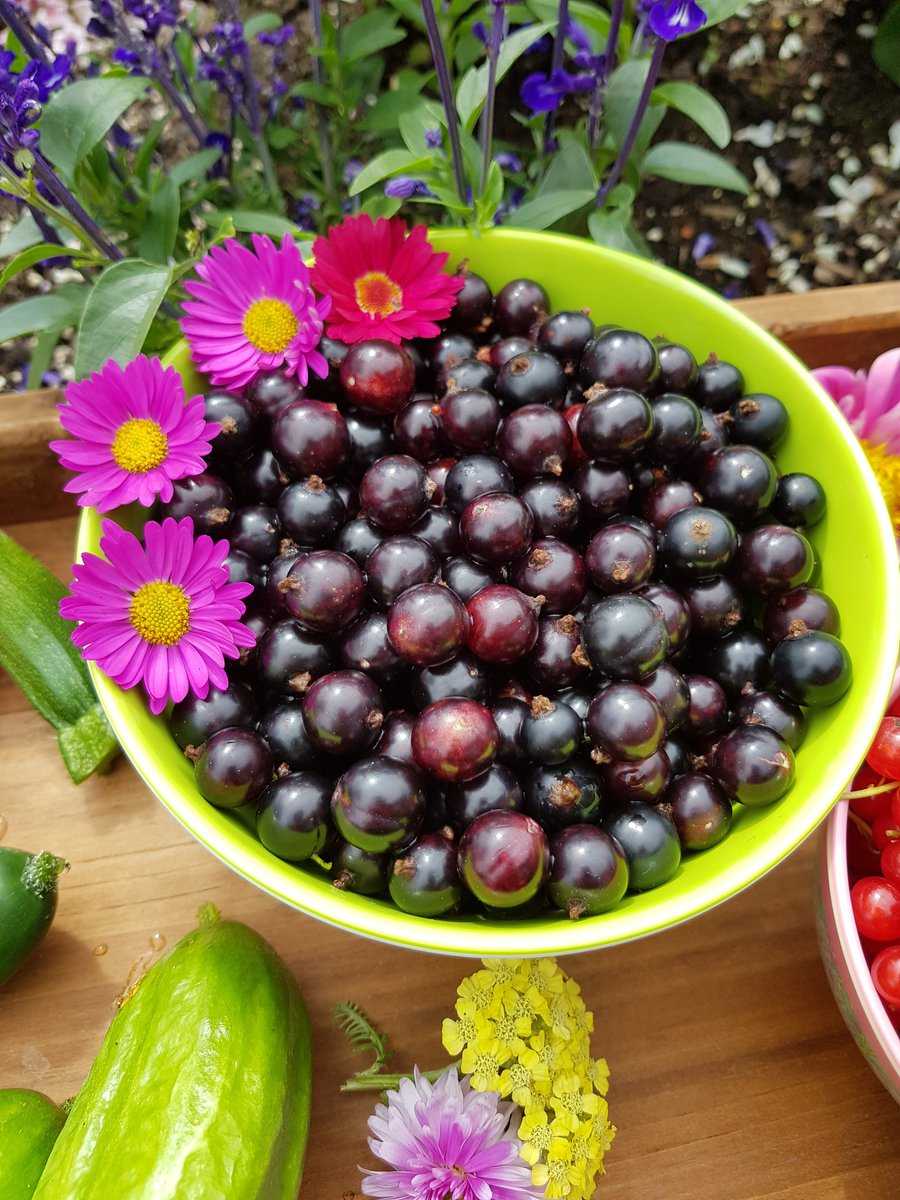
(523, 1030)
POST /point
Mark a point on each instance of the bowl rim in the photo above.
(539, 938)
(838, 883)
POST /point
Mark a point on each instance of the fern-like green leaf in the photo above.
(362, 1035)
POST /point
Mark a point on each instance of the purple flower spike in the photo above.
(433, 138)
(671, 19)
(403, 187)
(545, 93)
(507, 161)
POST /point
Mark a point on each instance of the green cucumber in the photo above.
(27, 904)
(37, 651)
(29, 1125)
(201, 1088)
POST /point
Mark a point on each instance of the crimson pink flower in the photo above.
(444, 1141)
(254, 311)
(133, 433)
(384, 282)
(871, 404)
(163, 614)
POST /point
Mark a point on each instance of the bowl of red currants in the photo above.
(571, 622)
(858, 917)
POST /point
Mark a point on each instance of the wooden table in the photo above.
(733, 1074)
(734, 1077)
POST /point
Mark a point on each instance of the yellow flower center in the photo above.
(139, 445)
(377, 294)
(270, 325)
(160, 612)
(505, 1029)
(887, 471)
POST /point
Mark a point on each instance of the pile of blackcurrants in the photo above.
(532, 607)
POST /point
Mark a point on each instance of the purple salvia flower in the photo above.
(403, 187)
(433, 138)
(509, 205)
(545, 93)
(480, 31)
(352, 168)
(276, 37)
(305, 210)
(507, 161)
(445, 1140)
(671, 19)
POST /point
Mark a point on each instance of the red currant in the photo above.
(884, 830)
(886, 975)
(884, 753)
(890, 862)
(876, 908)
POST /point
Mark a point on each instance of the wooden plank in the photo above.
(734, 1077)
(848, 325)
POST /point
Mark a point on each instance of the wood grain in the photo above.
(734, 1077)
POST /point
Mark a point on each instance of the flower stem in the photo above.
(498, 32)
(315, 12)
(610, 57)
(615, 171)
(45, 174)
(380, 1081)
(878, 790)
(22, 31)
(439, 56)
(556, 61)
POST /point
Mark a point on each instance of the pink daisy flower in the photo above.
(871, 403)
(162, 614)
(132, 434)
(254, 311)
(384, 282)
(444, 1141)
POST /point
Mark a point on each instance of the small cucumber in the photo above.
(36, 649)
(27, 904)
(201, 1089)
(29, 1125)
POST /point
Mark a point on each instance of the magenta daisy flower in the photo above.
(254, 311)
(132, 434)
(162, 614)
(444, 1141)
(384, 282)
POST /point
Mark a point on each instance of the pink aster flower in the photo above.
(384, 282)
(132, 434)
(444, 1141)
(162, 614)
(254, 311)
(871, 404)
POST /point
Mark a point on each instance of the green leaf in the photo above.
(248, 221)
(410, 11)
(570, 169)
(472, 90)
(59, 308)
(413, 124)
(613, 228)
(34, 254)
(263, 22)
(720, 10)
(625, 87)
(702, 108)
(42, 355)
(886, 45)
(118, 313)
(26, 232)
(148, 145)
(194, 166)
(317, 92)
(368, 34)
(489, 201)
(280, 137)
(543, 211)
(382, 206)
(692, 164)
(79, 115)
(389, 162)
(594, 18)
(157, 240)
(385, 113)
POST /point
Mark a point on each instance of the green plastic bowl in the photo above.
(859, 569)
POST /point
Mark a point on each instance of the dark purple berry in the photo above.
(605, 491)
(501, 352)
(503, 624)
(370, 440)
(739, 662)
(455, 739)
(619, 358)
(697, 543)
(242, 568)
(557, 660)
(739, 480)
(799, 501)
(427, 624)
(565, 335)
(425, 878)
(324, 590)
(290, 658)
(293, 816)
(565, 794)
(474, 476)
(675, 613)
(508, 714)
(378, 376)
(469, 420)
(713, 436)
(232, 768)
(675, 752)
(551, 732)
(619, 558)
(759, 420)
(355, 870)
(418, 430)
(642, 779)
(465, 577)
(448, 351)
(504, 859)
(310, 438)
(812, 668)
(520, 305)
(715, 605)
(272, 391)
(531, 379)
(708, 713)
(700, 811)
(552, 570)
(439, 529)
(678, 368)
(668, 687)
(534, 440)
(496, 528)
(396, 737)
(193, 719)
(472, 374)
(394, 492)
(262, 480)
(284, 731)
(462, 676)
(237, 423)
(206, 499)
(255, 530)
(625, 637)
(474, 304)
(676, 427)
(588, 872)
(334, 352)
(625, 721)
(357, 539)
(800, 611)
(378, 804)
(780, 715)
(753, 765)
(718, 385)
(615, 425)
(774, 558)
(650, 843)
(343, 713)
(664, 499)
(365, 646)
(553, 505)
(398, 563)
(495, 788)
(310, 512)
